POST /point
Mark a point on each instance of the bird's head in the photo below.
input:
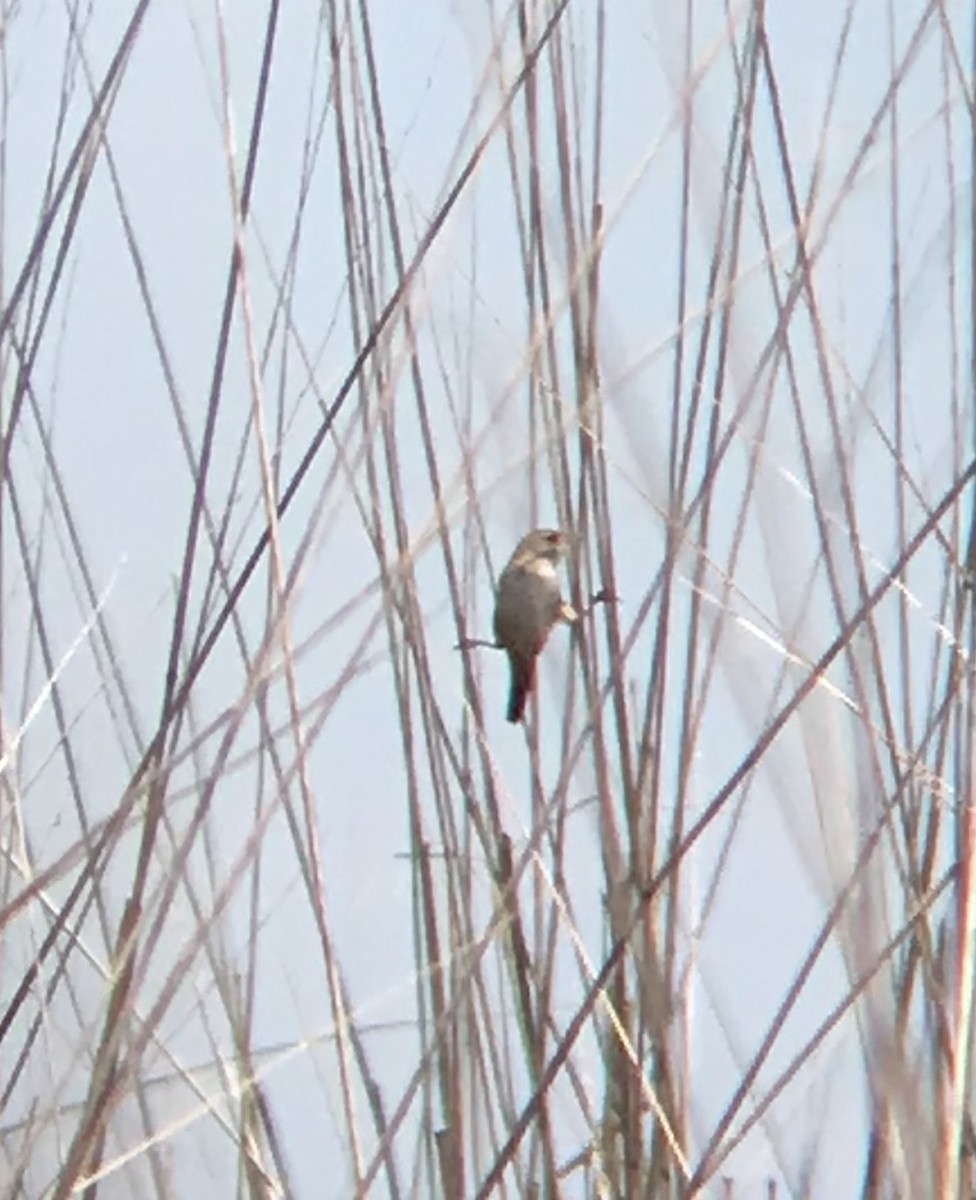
(551, 544)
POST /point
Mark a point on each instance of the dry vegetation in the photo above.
(287, 909)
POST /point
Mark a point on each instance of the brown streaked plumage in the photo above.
(528, 604)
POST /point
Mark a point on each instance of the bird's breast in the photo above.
(527, 606)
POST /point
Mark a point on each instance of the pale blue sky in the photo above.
(99, 377)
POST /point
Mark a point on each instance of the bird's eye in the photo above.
(553, 537)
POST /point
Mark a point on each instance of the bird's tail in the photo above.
(523, 680)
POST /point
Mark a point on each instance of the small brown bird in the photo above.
(527, 606)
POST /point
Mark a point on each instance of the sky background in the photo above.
(161, 179)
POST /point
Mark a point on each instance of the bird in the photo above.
(528, 604)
